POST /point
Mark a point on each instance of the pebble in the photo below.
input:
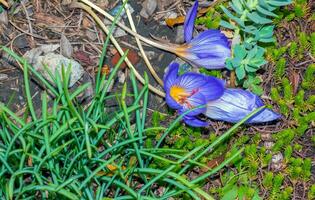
(179, 35)
(91, 35)
(121, 76)
(66, 48)
(45, 56)
(21, 42)
(117, 32)
(148, 8)
(276, 161)
(4, 18)
(268, 144)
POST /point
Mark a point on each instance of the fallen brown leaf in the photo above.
(132, 56)
(294, 78)
(82, 57)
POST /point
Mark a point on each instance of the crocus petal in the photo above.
(209, 49)
(236, 104)
(190, 21)
(171, 102)
(194, 101)
(211, 87)
(170, 76)
(195, 122)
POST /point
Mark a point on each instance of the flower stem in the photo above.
(125, 28)
(114, 41)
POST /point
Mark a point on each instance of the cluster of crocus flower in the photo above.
(195, 94)
(207, 95)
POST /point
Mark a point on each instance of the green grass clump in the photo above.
(70, 151)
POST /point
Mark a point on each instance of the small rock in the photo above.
(4, 18)
(91, 35)
(117, 32)
(148, 8)
(32, 55)
(55, 62)
(3, 77)
(276, 161)
(151, 54)
(21, 42)
(43, 56)
(268, 144)
(121, 76)
(66, 48)
(179, 35)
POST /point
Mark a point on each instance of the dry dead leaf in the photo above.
(294, 78)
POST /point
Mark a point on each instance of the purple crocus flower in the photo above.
(191, 90)
(209, 49)
(236, 104)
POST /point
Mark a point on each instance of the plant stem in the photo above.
(114, 41)
(169, 48)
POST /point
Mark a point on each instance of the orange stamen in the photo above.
(179, 94)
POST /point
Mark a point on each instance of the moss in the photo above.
(286, 193)
(277, 183)
(280, 68)
(211, 20)
(309, 78)
(287, 89)
(311, 193)
(307, 165)
(293, 49)
(288, 152)
(299, 98)
(267, 181)
(275, 96)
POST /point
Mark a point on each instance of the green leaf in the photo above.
(239, 51)
(236, 6)
(240, 72)
(252, 53)
(231, 16)
(267, 40)
(250, 68)
(257, 62)
(229, 64)
(250, 29)
(265, 12)
(266, 32)
(236, 62)
(232, 194)
(257, 89)
(260, 52)
(279, 2)
(227, 24)
(255, 17)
